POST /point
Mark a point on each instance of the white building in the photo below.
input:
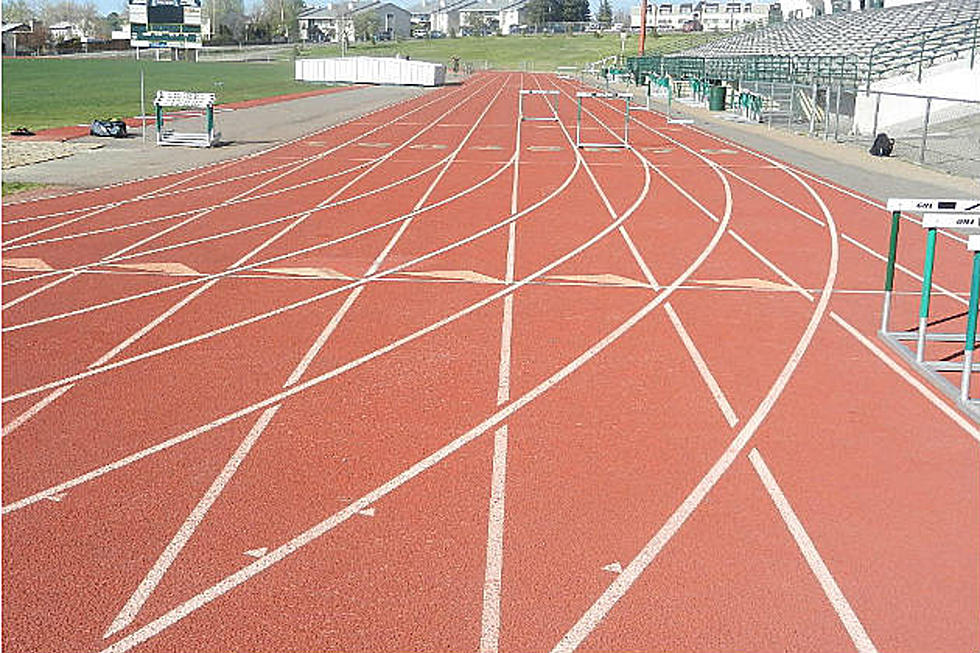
(327, 24)
(666, 16)
(734, 16)
(497, 15)
(65, 31)
(438, 15)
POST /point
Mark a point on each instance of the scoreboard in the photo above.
(165, 23)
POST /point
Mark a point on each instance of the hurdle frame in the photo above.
(568, 72)
(186, 100)
(961, 216)
(546, 93)
(579, 96)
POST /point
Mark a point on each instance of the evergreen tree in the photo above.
(575, 10)
(604, 15)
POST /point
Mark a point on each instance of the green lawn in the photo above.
(536, 52)
(52, 92)
(41, 93)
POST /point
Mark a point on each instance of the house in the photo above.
(65, 31)
(438, 16)
(492, 16)
(336, 19)
(10, 33)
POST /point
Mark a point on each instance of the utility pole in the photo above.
(643, 27)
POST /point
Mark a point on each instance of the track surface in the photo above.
(437, 380)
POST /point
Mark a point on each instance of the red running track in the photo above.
(436, 380)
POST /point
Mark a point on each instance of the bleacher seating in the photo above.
(852, 48)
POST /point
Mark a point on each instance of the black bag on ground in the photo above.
(113, 128)
(882, 146)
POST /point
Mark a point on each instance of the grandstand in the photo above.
(852, 49)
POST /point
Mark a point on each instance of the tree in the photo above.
(366, 26)
(477, 22)
(540, 12)
(604, 15)
(279, 17)
(18, 11)
(575, 11)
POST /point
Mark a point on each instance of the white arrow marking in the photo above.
(614, 567)
(257, 553)
(367, 512)
(56, 497)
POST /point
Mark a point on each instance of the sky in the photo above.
(105, 6)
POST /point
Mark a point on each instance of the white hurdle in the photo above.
(547, 94)
(184, 100)
(602, 95)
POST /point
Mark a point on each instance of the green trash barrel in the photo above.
(716, 98)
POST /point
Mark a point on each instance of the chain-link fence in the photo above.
(941, 133)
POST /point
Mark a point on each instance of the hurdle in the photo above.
(546, 94)
(581, 95)
(185, 100)
(962, 216)
(568, 72)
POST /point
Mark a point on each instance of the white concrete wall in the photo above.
(371, 70)
(901, 114)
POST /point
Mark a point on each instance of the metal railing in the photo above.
(895, 56)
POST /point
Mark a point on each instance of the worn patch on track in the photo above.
(751, 283)
(33, 264)
(455, 275)
(317, 273)
(165, 268)
(601, 279)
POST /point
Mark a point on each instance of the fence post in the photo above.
(922, 55)
(973, 48)
(792, 101)
(925, 131)
(826, 113)
(874, 130)
(813, 109)
(837, 113)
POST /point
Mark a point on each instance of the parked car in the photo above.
(437, 35)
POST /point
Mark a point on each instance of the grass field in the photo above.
(41, 93)
(52, 92)
(537, 52)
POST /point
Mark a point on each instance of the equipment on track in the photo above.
(962, 216)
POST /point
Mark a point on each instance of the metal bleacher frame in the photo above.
(840, 49)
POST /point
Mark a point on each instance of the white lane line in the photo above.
(335, 321)
(193, 433)
(911, 379)
(208, 168)
(99, 210)
(699, 363)
(493, 573)
(186, 530)
(251, 197)
(819, 568)
(594, 615)
(238, 578)
(902, 268)
(309, 300)
(252, 266)
(194, 519)
(36, 408)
